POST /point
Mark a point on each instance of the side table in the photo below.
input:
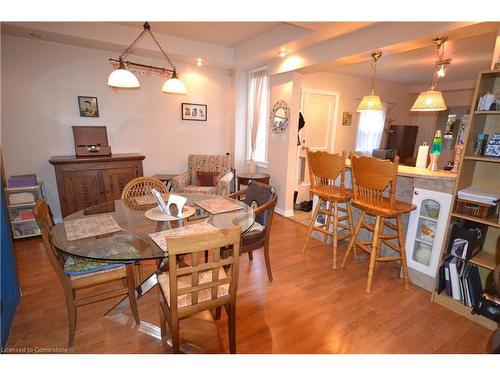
(245, 178)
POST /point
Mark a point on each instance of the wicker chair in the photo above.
(187, 182)
(140, 187)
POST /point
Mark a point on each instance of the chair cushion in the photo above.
(185, 282)
(261, 193)
(207, 178)
(254, 234)
(200, 189)
(80, 266)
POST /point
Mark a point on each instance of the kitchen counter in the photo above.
(407, 171)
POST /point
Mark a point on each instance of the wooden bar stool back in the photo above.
(325, 169)
(374, 187)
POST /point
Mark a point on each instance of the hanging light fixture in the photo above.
(372, 102)
(124, 78)
(432, 100)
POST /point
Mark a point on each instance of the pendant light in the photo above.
(432, 100)
(123, 78)
(372, 102)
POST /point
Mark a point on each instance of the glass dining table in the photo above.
(133, 243)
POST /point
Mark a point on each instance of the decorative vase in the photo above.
(251, 167)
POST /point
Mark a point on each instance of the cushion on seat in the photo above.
(193, 189)
(94, 273)
(185, 282)
(207, 178)
(86, 267)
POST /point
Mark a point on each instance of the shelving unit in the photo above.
(482, 172)
(21, 217)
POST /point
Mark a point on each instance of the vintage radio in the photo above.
(91, 141)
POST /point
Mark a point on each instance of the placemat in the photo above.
(148, 199)
(90, 227)
(160, 238)
(218, 205)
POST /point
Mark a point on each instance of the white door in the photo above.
(426, 230)
(319, 111)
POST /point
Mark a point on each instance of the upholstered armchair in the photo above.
(189, 181)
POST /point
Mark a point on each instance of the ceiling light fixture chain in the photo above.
(375, 56)
(124, 78)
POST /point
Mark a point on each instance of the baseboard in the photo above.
(285, 213)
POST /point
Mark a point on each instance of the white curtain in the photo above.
(370, 130)
(258, 99)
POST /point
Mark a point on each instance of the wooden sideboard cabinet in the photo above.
(86, 181)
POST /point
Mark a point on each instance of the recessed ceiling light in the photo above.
(282, 52)
(199, 61)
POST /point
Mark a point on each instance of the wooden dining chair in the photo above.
(324, 170)
(374, 185)
(141, 186)
(201, 285)
(257, 236)
(96, 273)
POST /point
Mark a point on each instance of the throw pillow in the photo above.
(207, 178)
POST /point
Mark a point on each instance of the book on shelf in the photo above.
(460, 280)
(487, 102)
(455, 285)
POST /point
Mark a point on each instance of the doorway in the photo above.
(319, 110)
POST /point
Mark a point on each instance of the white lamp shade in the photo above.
(429, 101)
(123, 78)
(174, 86)
(370, 103)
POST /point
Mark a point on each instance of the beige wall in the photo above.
(40, 85)
(282, 148)
(351, 89)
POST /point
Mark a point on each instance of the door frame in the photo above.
(333, 132)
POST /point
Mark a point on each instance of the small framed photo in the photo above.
(347, 119)
(88, 106)
(194, 112)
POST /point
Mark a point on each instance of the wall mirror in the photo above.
(280, 117)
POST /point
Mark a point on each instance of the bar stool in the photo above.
(370, 179)
(324, 169)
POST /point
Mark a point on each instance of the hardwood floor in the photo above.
(309, 308)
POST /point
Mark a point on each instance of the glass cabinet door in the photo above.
(426, 231)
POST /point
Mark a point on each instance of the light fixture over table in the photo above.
(372, 102)
(124, 78)
(432, 100)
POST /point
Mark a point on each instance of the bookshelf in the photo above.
(483, 172)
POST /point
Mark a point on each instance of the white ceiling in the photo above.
(469, 56)
(227, 34)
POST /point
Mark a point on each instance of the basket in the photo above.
(476, 209)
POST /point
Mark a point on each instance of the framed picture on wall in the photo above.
(194, 112)
(88, 106)
(346, 119)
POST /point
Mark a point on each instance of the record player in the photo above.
(91, 141)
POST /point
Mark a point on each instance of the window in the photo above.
(370, 129)
(258, 108)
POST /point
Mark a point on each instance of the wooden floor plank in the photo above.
(309, 308)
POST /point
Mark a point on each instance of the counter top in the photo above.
(407, 171)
